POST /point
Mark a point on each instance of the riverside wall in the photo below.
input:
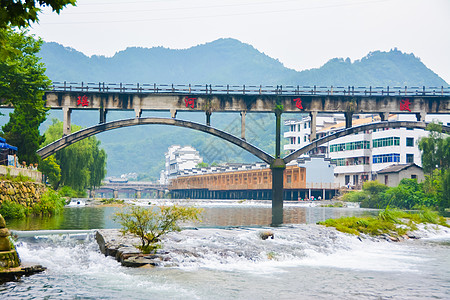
(25, 193)
(14, 172)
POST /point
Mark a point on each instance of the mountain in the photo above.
(225, 61)
(228, 61)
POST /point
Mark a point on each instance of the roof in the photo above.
(397, 168)
(356, 122)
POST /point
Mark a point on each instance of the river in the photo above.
(224, 258)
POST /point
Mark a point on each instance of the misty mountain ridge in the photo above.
(229, 61)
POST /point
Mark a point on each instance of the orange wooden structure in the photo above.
(294, 178)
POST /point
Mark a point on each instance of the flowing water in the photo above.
(221, 261)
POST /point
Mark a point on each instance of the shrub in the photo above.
(49, 204)
(150, 224)
(12, 210)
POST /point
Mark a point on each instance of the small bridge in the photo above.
(134, 188)
(243, 99)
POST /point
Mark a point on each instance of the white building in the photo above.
(179, 159)
(360, 156)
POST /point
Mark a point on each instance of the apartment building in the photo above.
(360, 156)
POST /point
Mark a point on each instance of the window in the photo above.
(292, 127)
(385, 158)
(409, 142)
(347, 179)
(288, 179)
(306, 125)
(409, 158)
(413, 176)
(292, 140)
(305, 138)
(298, 140)
(386, 142)
(386, 181)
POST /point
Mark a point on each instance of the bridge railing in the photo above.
(209, 89)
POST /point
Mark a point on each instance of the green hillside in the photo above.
(224, 61)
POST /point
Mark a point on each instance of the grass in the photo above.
(389, 221)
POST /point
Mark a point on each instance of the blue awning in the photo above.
(7, 146)
(2, 140)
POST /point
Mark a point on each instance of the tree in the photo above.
(83, 164)
(21, 13)
(151, 224)
(436, 163)
(22, 84)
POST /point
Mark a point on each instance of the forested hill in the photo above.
(141, 149)
(228, 61)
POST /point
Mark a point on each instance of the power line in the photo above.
(218, 15)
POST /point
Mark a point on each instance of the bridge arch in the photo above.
(351, 130)
(67, 140)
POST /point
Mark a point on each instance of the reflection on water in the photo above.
(96, 217)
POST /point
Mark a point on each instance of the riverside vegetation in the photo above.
(392, 222)
(20, 197)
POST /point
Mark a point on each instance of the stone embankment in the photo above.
(25, 193)
(113, 243)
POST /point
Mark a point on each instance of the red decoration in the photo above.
(298, 103)
(83, 100)
(404, 104)
(189, 101)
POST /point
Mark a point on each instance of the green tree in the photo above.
(22, 84)
(83, 164)
(21, 13)
(52, 170)
(202, 165)
(436, 163)
(151, 224)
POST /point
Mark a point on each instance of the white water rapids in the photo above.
(301, 262)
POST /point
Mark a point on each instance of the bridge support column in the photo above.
(138, 195)
(138, 112)
(384, 116)
(313, 135)
(103, 112)
(116, 194)
(173, 113)
(348, 119)
(66, 120)
(208, 118)
(277, 168)
(421, 116)
(243, 113)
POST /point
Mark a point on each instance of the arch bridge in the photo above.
(277, 164)
(241, 99)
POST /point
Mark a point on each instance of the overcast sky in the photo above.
(302, 34)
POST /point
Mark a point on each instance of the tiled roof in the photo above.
(397, 168)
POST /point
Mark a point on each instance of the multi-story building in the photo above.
(360, 156)
(179, 159)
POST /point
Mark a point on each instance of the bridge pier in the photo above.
(138, 112)
(208, 118)
(313, 134)
(138, 194)
(67, 112)
(103, 112)
(384, 116)
(115, 194)
(243, 113)
(277, 167)
(348, 119)
(421, 116)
